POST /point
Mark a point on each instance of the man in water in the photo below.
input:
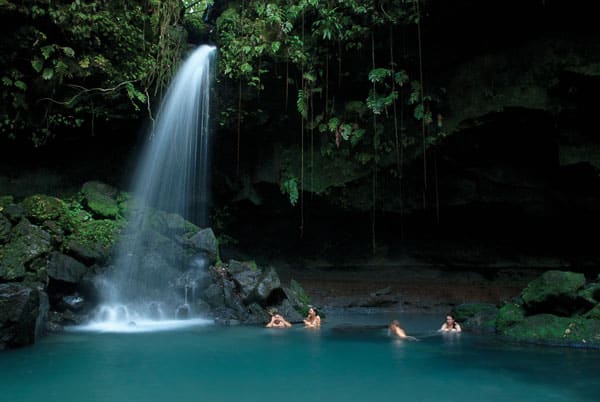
(277, 321)
(396, 330)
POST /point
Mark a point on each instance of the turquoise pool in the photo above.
(342, 362)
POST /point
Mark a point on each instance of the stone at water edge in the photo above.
(551, 329)
(508, 315)
(22, 315)
(476, 316)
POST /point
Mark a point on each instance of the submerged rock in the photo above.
(22, 314)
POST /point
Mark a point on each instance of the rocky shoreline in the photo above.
(53, 252)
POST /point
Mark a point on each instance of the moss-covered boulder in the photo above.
(170, 224)
(298, 298)
(508, 315)
(551, 329)
(555, 292)
(5, 227)
(93, 240)
(14, 212)
(5, 200)
(40, 208)
(478, 317)
(593, 314)
(27, 242)
(591, 293)
(101, 199)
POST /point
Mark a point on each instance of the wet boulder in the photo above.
(206, 243)
(64, 268)
(22, 314)
(214, 296)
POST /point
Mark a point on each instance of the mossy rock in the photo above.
(551, 329)
(5, 227)
(509, 314)
(6, 200)
(27, 242)
(170, 224)
(591, 293)
(100, 199)
(554, 292)
(476, 316)
(40, 208)
(298, 298)
(93, 240)
(593, 314)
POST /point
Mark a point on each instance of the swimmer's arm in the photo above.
(458, 328)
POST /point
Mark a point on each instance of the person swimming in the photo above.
(394, 329)
(450, 325)
(277, 321)
(312, 319)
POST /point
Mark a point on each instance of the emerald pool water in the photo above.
(349, 359)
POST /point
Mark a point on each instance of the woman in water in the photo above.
(395, 330)
(450, 325)
(312, 319)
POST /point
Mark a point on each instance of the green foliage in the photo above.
(290, 187)
(65, 64)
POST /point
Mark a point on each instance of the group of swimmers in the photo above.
(313, 320)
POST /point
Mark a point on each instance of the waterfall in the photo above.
(171, 182)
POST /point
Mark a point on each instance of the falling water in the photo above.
(172, 176)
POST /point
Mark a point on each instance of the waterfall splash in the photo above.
(154, 276)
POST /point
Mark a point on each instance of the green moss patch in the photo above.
(42, 208)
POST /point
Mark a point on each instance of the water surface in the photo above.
(350, 359)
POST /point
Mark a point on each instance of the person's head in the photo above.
(312, 312)
(394, 323)
(272, 312)
(450, 320)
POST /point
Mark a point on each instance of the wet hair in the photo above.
(395, 322)
(451, 316)
(314, 309)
